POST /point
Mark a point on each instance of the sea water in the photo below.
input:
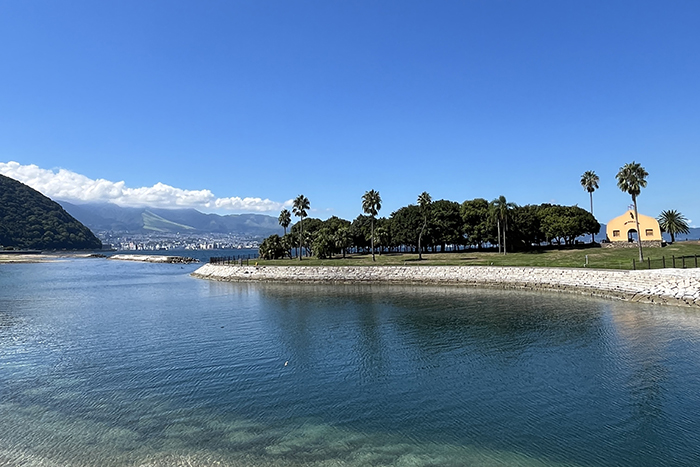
(107, 363)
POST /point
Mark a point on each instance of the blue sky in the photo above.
(264, 100)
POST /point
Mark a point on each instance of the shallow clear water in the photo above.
(128, 364)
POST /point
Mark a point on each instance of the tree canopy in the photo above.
(443, 225)
(674, 223)
(371, 204)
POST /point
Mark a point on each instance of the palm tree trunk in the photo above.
(592, 234)
(420, 235)
(301, 236)
(373, 240)
(498, 223)
(639, 234)
(505, 229)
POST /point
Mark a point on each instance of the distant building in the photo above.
(622, 231)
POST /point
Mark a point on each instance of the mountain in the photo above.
(110, 217)
(29, 219)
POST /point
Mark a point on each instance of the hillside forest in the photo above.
(30, 220)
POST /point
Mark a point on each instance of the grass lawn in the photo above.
(603, 258)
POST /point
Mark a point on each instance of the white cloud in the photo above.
(70, 186)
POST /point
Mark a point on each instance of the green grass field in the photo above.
(602, 258)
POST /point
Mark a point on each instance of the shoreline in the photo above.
(22, 258)
(154, 259)
(678, 287)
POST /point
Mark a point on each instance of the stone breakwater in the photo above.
(662, 286)
(155, 258)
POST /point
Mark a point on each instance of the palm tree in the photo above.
(343, 239)
(589, 181)
(301, 204)
(383, 237)
(631, 179)
(371, 204)
(674, 223)
(285, 219)
(424, 202)
(501, 211)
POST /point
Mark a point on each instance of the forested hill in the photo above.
(29, 219)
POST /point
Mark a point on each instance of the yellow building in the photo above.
(624, 229)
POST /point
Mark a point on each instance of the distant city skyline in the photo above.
(233, 107)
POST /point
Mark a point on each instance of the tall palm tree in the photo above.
(285, 219)
(589, 181)
(424, 202)
(301, 204)
(371, 204)
(631, 178)
(674, 223)
(501, 211)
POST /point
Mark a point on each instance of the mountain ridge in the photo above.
(110, 217)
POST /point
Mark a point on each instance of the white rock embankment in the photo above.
(662, 286)
(154, 258)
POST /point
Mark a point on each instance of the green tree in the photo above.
(338, 231)
(288, 243)
(631, 178)
(446, 223)
(674, 223)
(589, 182)
(383, 234)
(424, 202)
(361, 231)
(371, 204)
(526, 227)
(323, 243)
(311, 227)
(285, 219)
(343, 239)
(404, 225)
(272, 248)
(334, 223)
(565, 223)
(300, 207)
(475, 218)
(501, 213)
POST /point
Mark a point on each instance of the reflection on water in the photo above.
(123, 364)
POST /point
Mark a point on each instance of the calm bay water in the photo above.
(106, 363)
